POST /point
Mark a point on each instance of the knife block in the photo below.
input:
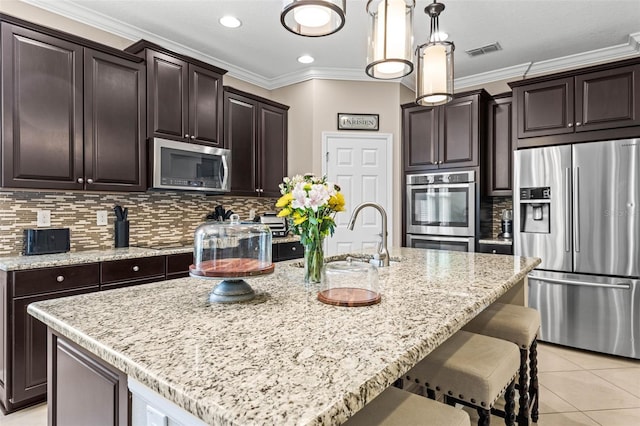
(121, 233)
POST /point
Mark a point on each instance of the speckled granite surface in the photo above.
(15, 263)
(495, 241)
(284, 358)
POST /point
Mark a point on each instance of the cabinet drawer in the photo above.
(55, 279)
(287, 251)
(177, 263)
(132, 269)
(496, 248)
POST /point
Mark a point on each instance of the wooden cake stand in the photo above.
(233, 288)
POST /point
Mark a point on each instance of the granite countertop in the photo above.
(284, 358)
(15, 263)
(500, 241)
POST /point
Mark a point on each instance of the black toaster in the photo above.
(46, 241)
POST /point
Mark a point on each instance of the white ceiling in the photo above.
(537, 36)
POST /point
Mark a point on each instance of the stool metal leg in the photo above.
(510, 404)
(523, 390)
(534, 394)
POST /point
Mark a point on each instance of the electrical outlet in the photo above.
(43, 218)
(101, 217)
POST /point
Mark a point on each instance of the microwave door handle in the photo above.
(225, 172)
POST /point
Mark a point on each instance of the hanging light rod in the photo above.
(435, 64)
(313, 18)
(389, 53)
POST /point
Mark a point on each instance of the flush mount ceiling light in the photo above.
(435, 64)
(390, 38)
(313, 18)
(230, 21)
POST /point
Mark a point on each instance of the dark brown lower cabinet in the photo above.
(84, 390)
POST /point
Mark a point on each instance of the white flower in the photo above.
(318, 196)
(300, 200)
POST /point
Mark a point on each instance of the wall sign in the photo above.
(357, 121)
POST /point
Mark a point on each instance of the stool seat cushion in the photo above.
(395, 407)
(517, 324)
(470, 367)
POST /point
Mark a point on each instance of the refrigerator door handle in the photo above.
(576, 209)
(620, 285)
(567, 210)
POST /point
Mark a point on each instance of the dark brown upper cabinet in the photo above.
(184, 99)
(498, 167)
(445, 136)
(72, 115)
(594, 103)
(255, 129)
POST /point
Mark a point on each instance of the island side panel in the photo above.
(518, 294)
(83, 389)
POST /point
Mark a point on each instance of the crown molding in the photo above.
(130, 32)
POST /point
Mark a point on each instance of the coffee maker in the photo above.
(506, 224)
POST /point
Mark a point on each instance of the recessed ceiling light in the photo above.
(230, 21)
(306, 59)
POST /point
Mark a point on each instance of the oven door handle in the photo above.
(444, 185)
(435, 238)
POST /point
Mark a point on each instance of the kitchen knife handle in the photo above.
(567, 209)
(576, 209)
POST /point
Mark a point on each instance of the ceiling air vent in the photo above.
(493, 47)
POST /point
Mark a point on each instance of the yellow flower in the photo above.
(284, 212)
(284, 200)
(336, 202)
(298, 218)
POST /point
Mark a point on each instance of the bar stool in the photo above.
(473, 370)
(520, 325)
(395, 407)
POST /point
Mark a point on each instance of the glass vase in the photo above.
(313, 261)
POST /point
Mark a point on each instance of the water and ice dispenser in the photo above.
(535, 209)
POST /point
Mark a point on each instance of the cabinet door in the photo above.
(240, 134)
(545, 108)
(458, 136)
(608, 99)
(499, 164)
(114, 113)
(272, 166)
(29, 352)
(41, 110)
(420, 138)
(168, 96)
(205, 106)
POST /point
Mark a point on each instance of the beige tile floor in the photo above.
(577, 388)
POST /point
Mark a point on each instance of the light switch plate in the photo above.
(101, 217)
(43, 218)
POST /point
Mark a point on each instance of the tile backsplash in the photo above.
(499, 204)
(155, 217)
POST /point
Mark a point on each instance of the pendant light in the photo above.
(435, 64)
(313, 18)
(390, 38)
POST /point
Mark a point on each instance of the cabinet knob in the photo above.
(578, 123)
(493, 251)
(257, 189)
(89, 180)
(293, 248)
(80, 180)
(570, 125)
(193, 137)
(136, 268)
(59, 278)
(186, 135)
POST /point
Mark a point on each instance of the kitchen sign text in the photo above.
(357, 121)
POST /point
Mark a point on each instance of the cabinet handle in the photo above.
(80, 180)
(59, 278)
(136, 268)
(578, 123)
(89, 180)
(570, 125)
(186, 135)
(193, 137)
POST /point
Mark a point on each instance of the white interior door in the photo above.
(361, 164)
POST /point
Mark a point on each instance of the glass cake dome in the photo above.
(232, 252)
(351, 282)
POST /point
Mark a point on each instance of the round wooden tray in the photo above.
(349, 297)
(231, 268)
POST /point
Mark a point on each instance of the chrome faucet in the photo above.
(382, 257)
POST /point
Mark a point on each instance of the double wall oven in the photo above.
(441, 210)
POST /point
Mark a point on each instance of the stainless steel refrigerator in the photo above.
(577, 208)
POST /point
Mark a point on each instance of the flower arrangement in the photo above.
(310, 203)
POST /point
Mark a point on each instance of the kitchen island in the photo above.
(284, 358)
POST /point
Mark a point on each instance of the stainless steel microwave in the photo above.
(189, 167)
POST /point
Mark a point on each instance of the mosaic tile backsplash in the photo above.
(499, 204)
(155, 217)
